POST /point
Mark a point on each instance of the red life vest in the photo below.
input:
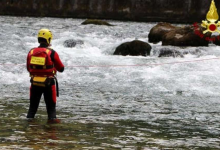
(40, 62)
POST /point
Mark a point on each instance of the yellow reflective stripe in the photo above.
(39, 79)
(47, 51)
(32, 51)
(39, 84)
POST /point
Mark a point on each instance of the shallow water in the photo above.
(168, 105)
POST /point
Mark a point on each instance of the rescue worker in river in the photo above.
(42, 64)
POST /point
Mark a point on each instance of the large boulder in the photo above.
(134, 48)
(96, 22)
(157, 32)
(186, 36)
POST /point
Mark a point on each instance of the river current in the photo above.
(109, 102)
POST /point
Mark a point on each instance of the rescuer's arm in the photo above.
(27, 63)
(57, 63)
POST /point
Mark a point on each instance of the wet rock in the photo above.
(157, 32)
(167, 52)
(72, 43)
(185, 36)
(134, 48)
(96, 22)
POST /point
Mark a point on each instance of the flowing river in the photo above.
(109, 102)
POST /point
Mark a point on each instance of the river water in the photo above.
(109, 102)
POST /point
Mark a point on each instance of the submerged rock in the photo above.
(72, 43)
(96, 22)
(185, 37)
(178, 51)
(157, 32)
(166, 52)
(134, 48)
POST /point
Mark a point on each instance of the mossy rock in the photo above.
(96, 22)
